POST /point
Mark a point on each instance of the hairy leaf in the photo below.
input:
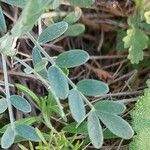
(3, 105)
(111, 107)
(91, 87)
(36, 59)
(27, 132)
(72, 58)
(76, 105)
(20, 103)
(53, 32)
(82, 3)
(58, 82)
(95, 130)
(75, 29)
(116, 125)
(32, 11)
(8, 138)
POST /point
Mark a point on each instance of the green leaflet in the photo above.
(27, 132)
(91, 87)
(111, 107)
(32, 11)
(58, 82)
(82, 3)
(37, 60)
(20, 103)
(8, 138)
(26, 90)
(72, 58)
(95, 130)
(17, 3)
(75, 29)
(3, 27)
(74, 16)
(136, 41)
(52, 32)
(116, 125)
(3, 105)
(27, 121)
(7, 45)
(76, 105)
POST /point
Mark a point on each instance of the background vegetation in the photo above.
(73, 74)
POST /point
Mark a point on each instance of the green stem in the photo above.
(53, 62)
(11, 117)
(45, 82)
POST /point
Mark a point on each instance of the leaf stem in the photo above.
(45, 82)
(11, 117)
(51, 60)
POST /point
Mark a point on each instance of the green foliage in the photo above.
(95, 130)
(74, 16)
(53, 75)
(17, 3)
(3, 27)
(69, 59)
(115, 124)
(58, 82)
(76, 105)
(20, 103)
(111, 107)
(27, 132)
(136, 41)
(8, 138)
(82, 3)
(27, 91)
(31, 12)
(7, 45)
(141, 122)
(3, 105)
(75, 29)
(53, 32)
(92, 87)
(39, 63)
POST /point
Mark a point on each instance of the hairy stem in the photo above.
(11, 117)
